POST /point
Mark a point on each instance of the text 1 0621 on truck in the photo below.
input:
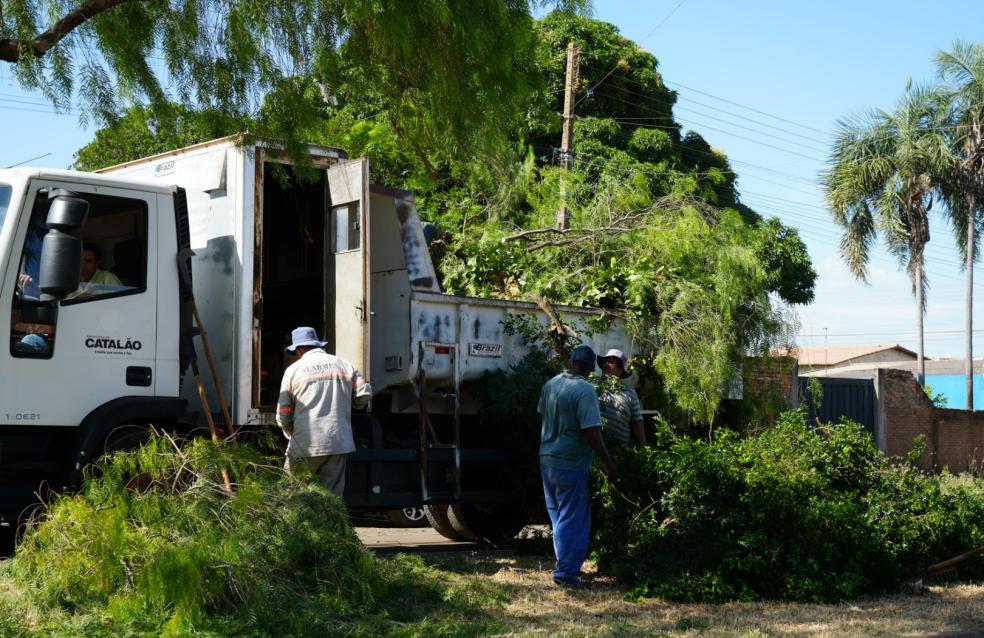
(87, 371)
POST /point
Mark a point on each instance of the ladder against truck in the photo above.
(84, 372)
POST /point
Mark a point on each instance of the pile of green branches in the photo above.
(799, 513)
(154, 546)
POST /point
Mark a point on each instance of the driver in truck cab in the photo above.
(93, 280)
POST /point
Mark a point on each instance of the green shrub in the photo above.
(793, 513)
(153, 546)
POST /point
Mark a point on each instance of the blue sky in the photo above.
(811, 63)
(787, 70)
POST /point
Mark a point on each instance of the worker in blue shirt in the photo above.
(570, 435)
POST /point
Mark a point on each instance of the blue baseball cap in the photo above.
(583, 354)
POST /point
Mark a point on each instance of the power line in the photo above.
(655, 99)
(619, 63)
(939, 335)
(831, 234)
(712, 128)
(27, 110)
(28, 160)
(749, 108)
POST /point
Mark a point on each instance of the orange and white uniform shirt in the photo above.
(317, 395)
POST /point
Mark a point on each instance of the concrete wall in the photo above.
(954, 438)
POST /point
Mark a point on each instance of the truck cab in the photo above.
(72, 368)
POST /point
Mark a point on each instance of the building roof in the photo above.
(840, 355)
(866, 369)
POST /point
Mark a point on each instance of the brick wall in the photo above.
(769, 386)
(954, 438)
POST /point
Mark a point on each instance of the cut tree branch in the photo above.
(12, 49)
(558, 331)
(622, 223)
(559, 242)
(526, 234)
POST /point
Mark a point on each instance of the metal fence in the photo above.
(852, 399)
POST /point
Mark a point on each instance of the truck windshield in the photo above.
(4, 202)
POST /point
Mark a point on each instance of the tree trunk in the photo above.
(969, 316)
(920, 360)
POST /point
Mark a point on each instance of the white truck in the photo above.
(88, 368)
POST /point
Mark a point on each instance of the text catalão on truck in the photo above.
(87, 371)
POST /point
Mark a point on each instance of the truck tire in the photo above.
(437, 516)
(408, 517)
(493, 523)
(125, 437)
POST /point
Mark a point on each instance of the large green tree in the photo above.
(432, 62)
(884, 169)
(963, 68)
(659, 236)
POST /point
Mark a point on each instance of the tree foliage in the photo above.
(794, 513)
(142, 132)
(658, 235)
(962, 68)
(884, 169)
(430, 62)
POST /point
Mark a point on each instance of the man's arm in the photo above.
(361, 391)
(589, 417)
(598, 445)
(285, 408)
(635, 424)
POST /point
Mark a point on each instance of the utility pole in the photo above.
(826, 365)
(566, 157)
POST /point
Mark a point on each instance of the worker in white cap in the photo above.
(622, 410)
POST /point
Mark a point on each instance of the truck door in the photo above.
(100, 342)
(347, 282)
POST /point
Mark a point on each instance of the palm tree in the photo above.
(883, 173)
(963, 68)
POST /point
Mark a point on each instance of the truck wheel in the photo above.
(125, 437)
(487, 523)
(437, 516)
(408, 517)
(121, 439)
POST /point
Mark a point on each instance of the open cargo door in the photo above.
(347, 285)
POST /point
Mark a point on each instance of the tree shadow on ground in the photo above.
(419, 599)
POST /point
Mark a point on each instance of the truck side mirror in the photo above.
(61, 253)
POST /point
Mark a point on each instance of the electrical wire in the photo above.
(639, 44)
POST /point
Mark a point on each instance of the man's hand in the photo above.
(598, 444)
(609, 469)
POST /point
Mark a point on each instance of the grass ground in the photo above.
(485, 594)
(514, 596)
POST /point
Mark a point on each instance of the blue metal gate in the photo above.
(853, 399)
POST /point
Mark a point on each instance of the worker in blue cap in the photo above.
(570, 436)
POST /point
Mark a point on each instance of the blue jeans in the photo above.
(569, 505)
